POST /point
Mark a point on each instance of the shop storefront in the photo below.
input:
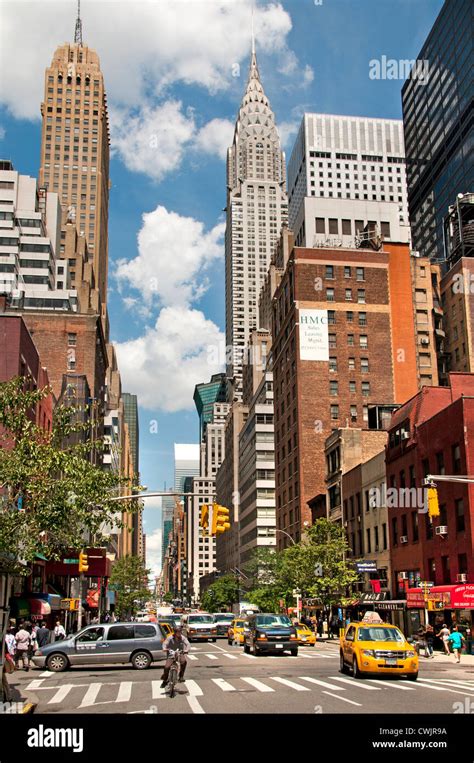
(450, 604)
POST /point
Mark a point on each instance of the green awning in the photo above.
(40, 556)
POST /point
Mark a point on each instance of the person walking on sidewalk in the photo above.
(429, 639)
(23, 641)
(444, 636)
(456, 639)
(43, 635)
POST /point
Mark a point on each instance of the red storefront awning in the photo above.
(456, 596)
(39, 607)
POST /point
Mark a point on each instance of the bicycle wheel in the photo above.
(173, 679)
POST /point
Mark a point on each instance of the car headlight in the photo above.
(38, 653)
(368, 652)
(411, 653)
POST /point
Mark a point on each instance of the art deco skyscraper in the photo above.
(75, 147)
(257, 206)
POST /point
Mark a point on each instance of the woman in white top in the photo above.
(59, 632)
(444, 636)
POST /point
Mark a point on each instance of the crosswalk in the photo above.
(121, 694)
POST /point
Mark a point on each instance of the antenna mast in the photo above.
(78, 29)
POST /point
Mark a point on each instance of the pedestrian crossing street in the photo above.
(86, 696)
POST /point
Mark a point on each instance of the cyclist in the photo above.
(176, 641)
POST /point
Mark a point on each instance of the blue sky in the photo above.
(174, 86)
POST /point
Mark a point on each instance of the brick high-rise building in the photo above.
(340, 342)
(75, 144)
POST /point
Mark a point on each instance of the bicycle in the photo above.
(174, 672)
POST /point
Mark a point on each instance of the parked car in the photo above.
(267, 632)
(222, 621)
(199, 627)
(137, 643)
(377, 648)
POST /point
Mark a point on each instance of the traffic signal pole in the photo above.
(79, 609)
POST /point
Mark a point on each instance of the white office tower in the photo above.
(345, 172)
(257, 206)
(186, 463)
(31, 273)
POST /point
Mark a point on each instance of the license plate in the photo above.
(278, 646)
(391, 663)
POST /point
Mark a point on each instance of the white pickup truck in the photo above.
(199, 626)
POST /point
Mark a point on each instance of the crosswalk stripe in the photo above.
(192, 657)
(211, 656)
(290, 684)
(193, 688)
(224, 685)
(90, 695)
(252, 656)
(124, 692)
(458, 684)
(156, 691)
(195, 706)
(391, 683)
(355, 683)
(428, 683)
(47, 673)
(322, 683)
(60, 694)
(258, 684)
(344, 699)
(316, 656)
(36, 684)
(230, 656)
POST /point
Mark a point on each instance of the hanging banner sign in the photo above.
(313, 334)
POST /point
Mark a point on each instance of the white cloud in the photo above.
(153, 548)
(287, 131)
(150, 140)
(144, 47)
(163, 366)
(2, 132)
(215, 137)
(173, 254)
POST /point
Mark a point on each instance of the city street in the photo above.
(222, 679)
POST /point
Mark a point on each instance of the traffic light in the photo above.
(204, 522)
(83, 562)
(220, 519)
(433, 504)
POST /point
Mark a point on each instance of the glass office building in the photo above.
(438, 125)
(205, 395)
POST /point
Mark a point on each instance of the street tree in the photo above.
(221, 594)
(129, 581)
(53, 492)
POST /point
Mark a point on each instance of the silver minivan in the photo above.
(106, 644)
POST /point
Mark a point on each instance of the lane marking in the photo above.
(193, 688)
(90, 695)
(355, 683)
(60, 694)
(230, 656)
(459, 684)
(322, 683)
(156, 691)
(195, 706)
(211, 656)
(290, 684)
(344, 699)
(391, 683)
(192, 657)
(47, 673)
(124, 692)
(257, 684)
(36, 684)
(224, 685)
(320, 656)
(427, 684)
(252, 656)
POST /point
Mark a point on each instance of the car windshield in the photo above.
(273, 621)
(200, 619)
(226, 618)
(380, 633)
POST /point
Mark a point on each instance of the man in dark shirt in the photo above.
(43, 635)
(176, 642)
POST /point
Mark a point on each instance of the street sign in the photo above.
(70, 561)
(367, 566)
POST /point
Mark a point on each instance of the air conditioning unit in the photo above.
(403, 538)
(405, 435)
(441, 530)
(403, 575)
(461, 578)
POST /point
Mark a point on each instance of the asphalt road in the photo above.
(222, 679)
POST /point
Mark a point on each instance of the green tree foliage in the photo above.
(221, 594)
(52, 494)
(168, 597)
(129, 581)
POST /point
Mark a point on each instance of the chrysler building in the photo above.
(257, 207)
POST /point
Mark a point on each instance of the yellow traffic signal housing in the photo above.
(220, 519)
(204, 522)
(433, 504)
(83, 562)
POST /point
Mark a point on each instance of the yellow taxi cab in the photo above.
(377, 647)
(166, 628)
(235, 631)
(305, 635)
